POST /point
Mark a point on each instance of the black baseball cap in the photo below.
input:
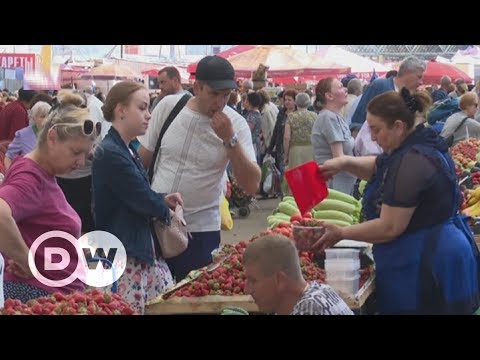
(217, 72)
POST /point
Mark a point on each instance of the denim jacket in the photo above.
(123, 200)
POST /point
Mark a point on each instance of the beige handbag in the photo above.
(173, 238)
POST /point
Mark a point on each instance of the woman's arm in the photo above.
(7, 162)
(393, 222)
(11, 242)
(363, 167)
(337, 149)
(15, 148)
(286, 141)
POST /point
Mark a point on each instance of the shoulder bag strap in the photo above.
(460, 125)
(173, 114)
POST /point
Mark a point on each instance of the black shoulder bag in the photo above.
(181, 103)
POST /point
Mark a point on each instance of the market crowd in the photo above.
(78, 161)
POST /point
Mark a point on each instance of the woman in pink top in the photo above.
(31, 202)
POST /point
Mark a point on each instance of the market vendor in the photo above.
(276, 283)
(425, 254)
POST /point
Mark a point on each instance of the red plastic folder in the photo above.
(307, 185)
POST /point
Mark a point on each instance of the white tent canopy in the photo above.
(361, 66)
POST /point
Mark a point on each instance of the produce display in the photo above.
(466, 155)
(337, 208)
(227, 277)
(93, 302)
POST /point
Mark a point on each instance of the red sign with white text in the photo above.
(12, 61)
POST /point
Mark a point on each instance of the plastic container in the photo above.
(342, 265)
(345, 285)
(306, 236)
(342, 254)
(342, 274)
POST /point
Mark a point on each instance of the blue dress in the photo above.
(433, 267)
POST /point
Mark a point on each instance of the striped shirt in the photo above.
(321, 299)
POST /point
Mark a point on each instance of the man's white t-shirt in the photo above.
(192, 160)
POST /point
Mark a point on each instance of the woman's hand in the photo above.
(18, 270)
(173, 200)
(332, 167)
(332, 235)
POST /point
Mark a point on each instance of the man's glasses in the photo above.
(87, 126)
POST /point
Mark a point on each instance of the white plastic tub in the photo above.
(345, 285)
(342, 254)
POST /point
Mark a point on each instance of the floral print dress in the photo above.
(142, 282)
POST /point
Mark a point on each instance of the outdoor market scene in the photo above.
(239, 180)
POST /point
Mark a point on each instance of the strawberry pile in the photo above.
(310, 271)
(229, 277)
(223, 252)
(226, 279)
(93, 302)
(284, 228)
(310, 222)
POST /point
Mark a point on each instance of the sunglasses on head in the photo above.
(58, 105)
(87, 126)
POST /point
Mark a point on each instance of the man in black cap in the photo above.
(195, 150)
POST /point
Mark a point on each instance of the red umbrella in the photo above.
(435, 70)
(192, 68)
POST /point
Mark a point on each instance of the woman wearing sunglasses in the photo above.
(124, 202)
(471, 127)
(32, 203)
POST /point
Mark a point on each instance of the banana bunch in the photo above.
(473, 202)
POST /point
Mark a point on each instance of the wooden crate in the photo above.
(215, 303)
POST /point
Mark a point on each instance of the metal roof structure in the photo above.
(398, 52)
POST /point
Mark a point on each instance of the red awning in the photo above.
(151, 72)
(436, 70)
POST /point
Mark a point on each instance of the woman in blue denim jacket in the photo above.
(124, 201)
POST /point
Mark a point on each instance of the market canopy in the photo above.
(284, 61)
(111, 72)
(361, 66)
(192, 68)
(436, 70)
(184, 76)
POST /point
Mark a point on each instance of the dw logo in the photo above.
(101, 259)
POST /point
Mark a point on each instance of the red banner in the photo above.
(12, 61)
(131, 49)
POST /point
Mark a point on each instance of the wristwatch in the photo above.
(232, 142)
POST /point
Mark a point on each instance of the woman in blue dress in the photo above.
(427, 261)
